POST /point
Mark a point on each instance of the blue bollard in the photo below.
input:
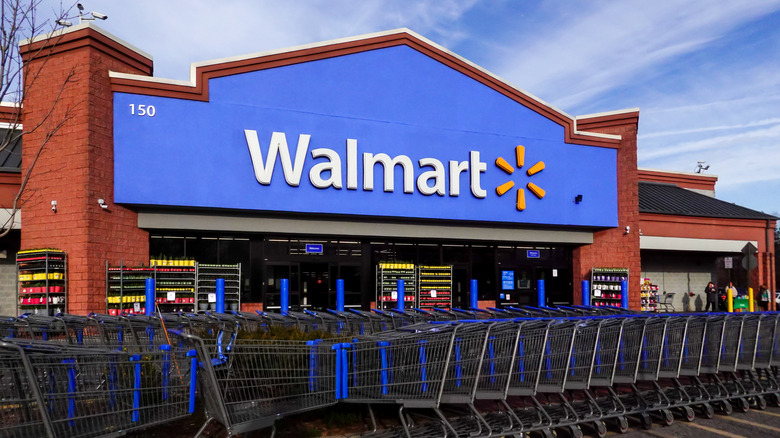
(540, 293)
(400, 303)
(340, 295)
(220, 295)
(585, 293)
(474, 295)
(150, 301)
(624, 294)
(285, 298)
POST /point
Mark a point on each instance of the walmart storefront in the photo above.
(340, 159)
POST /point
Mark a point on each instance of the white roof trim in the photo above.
(6, 125)
(690, 244)
(608, 113)
(194, 66)
(5, 215)
(10, 104)
(85, 25)
(113, 74)
(675, 172)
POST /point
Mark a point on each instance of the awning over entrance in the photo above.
(357, 228)
(689, 244)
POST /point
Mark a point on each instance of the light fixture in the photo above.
(102, 203)
(54, 206)
(65, 23)
(628, 229)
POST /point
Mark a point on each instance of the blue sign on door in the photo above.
(532, 253)
(312, 248)
(507, 280)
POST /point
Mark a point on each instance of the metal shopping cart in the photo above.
(58, 390)
(260, 381)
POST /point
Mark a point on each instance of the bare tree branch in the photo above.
(20, 23)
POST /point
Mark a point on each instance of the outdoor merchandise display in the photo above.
(435, 284)
(387, 276)
(606, 286)
(42, 285)
(207, 275)
(180, 286)
(425, 286)
(649, 296)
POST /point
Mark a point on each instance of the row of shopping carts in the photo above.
(99, 375)
(507, 372)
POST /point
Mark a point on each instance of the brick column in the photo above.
(613, 248)
(76, 167)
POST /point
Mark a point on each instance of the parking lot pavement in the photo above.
(753, 424)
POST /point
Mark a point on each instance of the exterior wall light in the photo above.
(102, 204)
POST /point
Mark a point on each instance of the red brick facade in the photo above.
(614, 248)
(76, 165)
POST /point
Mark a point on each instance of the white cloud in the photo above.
(601, 48)
(740, 158)
(707, 129)
(179, 33)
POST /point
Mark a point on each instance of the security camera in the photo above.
(99, 16)
(628, 229)
(65, 23)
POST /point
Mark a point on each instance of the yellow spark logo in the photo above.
(507, 186)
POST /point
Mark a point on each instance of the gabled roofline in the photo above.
(81, 26)
(197, 88)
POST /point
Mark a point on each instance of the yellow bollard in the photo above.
(729, 300)
(750, 299)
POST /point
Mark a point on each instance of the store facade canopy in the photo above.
(401, 129)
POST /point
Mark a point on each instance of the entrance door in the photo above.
(315, 285)
(274, 273)
(461, 293)
(557, 286)
(352, 276)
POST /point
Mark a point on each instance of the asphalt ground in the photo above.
(752, 424)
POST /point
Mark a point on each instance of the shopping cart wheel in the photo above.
(774, 399)
(646, 421)
(706, 410)
(743, 405)
(688, 413)
(759, 402)
(725, 407)
(549, 433)
(601, 428)
(575, 431)
(667, 417)
(622, 424)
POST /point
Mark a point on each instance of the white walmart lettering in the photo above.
(328, 173)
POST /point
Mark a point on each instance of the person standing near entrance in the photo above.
(712, 297)
(731, 292)
(763, 298)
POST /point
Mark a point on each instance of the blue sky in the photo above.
(705, 75)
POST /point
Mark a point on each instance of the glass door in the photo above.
(272, 288)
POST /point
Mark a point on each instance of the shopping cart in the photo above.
(58, 390)
(260, 381)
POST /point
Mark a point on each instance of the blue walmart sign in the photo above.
(388, 132)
